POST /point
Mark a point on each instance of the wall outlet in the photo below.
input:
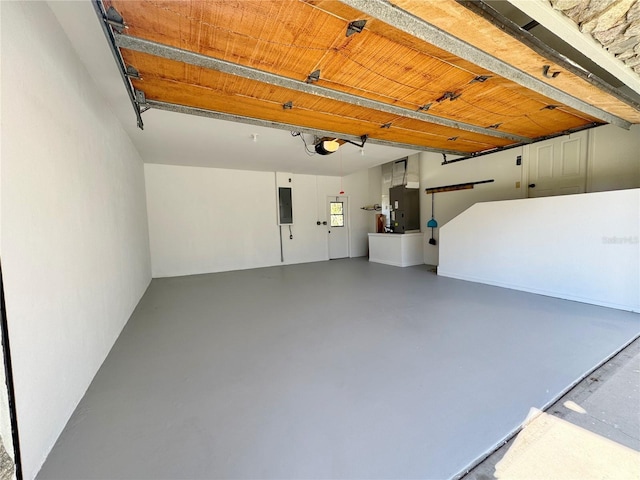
(517, 184)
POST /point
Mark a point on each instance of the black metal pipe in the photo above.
(8, 371)
(460, 186)
(361, 145)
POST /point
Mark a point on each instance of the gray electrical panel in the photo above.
(405, 209)
(285, 206)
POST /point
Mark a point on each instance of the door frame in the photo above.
(347, 225)
(526, 161)
(8, 371)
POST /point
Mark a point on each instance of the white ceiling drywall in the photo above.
(179, 139)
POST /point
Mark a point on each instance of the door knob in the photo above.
(532, 185)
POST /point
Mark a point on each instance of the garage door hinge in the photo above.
(355, 27)
(141, 101)
(132, 72)
(116, 20)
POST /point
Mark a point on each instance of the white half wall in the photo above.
(613, 163)
(204, 220)
(500, 167)
(75, 246)
(577, 247)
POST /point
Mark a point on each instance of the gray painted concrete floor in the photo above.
(609, 406)
(340, 369)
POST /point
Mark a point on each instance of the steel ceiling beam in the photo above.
(408, 23)
(204, 61)
(201, 112)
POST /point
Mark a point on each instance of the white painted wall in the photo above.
(375, 189)
(361, 222)
(577, 247)
(5, 420)
(613, 163)
(499, 166)
(204, 220)
(210, 220)
(74, 232)
(309, 242)
(613, 159)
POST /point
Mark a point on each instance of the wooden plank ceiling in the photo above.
(426, 85)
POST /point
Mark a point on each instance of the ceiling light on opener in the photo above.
(327, 147)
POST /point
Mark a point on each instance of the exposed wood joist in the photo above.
(407, 22)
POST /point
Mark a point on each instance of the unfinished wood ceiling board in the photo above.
(483, 142)
(201, 97)
(426, 72)
(412, 80)
(194, 58)
(254, 99)
(285, 37)
(455, 19)
(422, 73)
(420, 28)
(292, 38)
(528, 117)
(239, 88)
(348, 14)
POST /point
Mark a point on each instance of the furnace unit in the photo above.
(405, 209)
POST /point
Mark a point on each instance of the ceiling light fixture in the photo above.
(327, 147)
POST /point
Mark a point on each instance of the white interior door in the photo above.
(338, 227)
(558, 166)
